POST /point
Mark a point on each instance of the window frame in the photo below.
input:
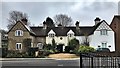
(18, 46)
(70, 35)
(103, 32)
(40, 45)
(51, 35)
(18, 33)
(104, 44)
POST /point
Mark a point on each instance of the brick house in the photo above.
(115, 25)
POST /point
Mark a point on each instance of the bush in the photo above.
(85, 49)
(67, 49)
(73, 43)
(45, 53)
(3, 52)
(17, 54)
(47, 47)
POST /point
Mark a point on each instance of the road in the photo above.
(42, 63)
(45, 63)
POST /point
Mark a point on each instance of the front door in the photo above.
(60, 48)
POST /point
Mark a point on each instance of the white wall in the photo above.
(97, 39)
(80, 38)
(64, 40)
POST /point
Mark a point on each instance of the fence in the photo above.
(92, 60)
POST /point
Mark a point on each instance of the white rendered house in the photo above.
(99, 36)
(103, 37)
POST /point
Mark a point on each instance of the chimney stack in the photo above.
(77, 25)
(44, 25)
(97, 20)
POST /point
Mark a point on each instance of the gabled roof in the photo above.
(28, 29)
(70, 32)
(51, 32)
(96, 26)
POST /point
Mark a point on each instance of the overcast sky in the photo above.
(83, 11)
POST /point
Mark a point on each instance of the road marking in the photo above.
(60, 65)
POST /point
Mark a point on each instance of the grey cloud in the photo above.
(38, 11)
(118, 7)
(100, 6)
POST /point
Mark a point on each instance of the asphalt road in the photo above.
(42, 63)
(47, 63)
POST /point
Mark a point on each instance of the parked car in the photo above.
(103, 50)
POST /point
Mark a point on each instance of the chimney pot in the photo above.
(97, 20)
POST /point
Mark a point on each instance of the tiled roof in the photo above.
(62, 31)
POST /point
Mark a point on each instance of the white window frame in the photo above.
(51, 35)
(17, 33)
(70, 35)
(18, 46)
(103, 32)
(40, 45)
(104, 44)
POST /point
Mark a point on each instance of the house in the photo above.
(115, 25)
(3, 42)
(0, 39)
(3, 39)
(98, 36)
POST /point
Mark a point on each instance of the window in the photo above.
(5, 36)
(51, 35)
(103, 32)
(104, 45)
(18, 46)
(70, 35)
(40, 45)
(18, 33)
(32, 45)
(61, 38)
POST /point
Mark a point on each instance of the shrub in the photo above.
(67, 49)
(45, 53)
(3, 52)
(85, 49)
(17, 54)
(73, 43)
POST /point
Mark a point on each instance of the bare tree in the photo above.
(15, 16)
(62, 19)
(86, 39)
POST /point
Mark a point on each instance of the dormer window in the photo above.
(18, 33)
(103, 32)
(70, 33)
(51, 33)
